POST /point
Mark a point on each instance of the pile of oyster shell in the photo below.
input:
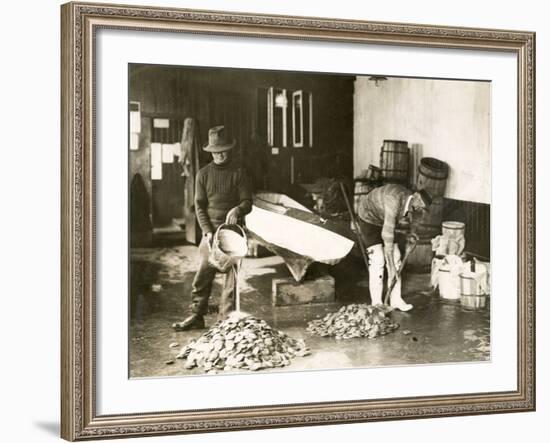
(241, 343)
(354, 321)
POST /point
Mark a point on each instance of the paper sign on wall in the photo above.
(167, 154)
(135, 117)
(156, 161)
(135, 121)
(134, 141)
(177, 149)
(161, 123)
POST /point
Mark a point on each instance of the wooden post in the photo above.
(190, 145)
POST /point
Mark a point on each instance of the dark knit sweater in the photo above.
(219, 188)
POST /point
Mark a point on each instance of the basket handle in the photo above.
(243, 233)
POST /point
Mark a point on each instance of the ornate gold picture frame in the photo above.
(80, 23)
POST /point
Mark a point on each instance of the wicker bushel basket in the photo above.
(228, 247)
(472, 297)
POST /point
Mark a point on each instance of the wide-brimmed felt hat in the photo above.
(218, 141)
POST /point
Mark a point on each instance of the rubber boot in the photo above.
(375, 256)
(396, 301)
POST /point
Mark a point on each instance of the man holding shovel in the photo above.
(223, 195)
(379, 213)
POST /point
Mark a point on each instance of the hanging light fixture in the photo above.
(377, 78)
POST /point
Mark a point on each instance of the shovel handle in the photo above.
(410, 247)
(357, 227)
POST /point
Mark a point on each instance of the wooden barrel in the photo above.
(394, 161)
(471, 296)
(453, 229)
(428, 224)
(453, 232)
(473, 302)
(362, 188)
(432, 176)
(474, 286)
(374, 173)
(448, 284)
(420, 259)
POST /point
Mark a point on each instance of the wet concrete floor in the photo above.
(435, 331)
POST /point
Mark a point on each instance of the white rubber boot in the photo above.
(396, 301)
(375, 255)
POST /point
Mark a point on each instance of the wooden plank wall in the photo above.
(477, 217)
(234, 97)
(230, 96)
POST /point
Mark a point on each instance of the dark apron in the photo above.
(372, 234)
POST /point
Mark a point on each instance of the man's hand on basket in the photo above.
(412, 239)
(232, 216)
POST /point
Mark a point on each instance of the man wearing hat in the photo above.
(379, 213)
(222, 195)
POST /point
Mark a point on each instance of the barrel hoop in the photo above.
(396, 152)
(430, 225)
(425, 174)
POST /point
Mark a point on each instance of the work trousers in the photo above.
(202, 285)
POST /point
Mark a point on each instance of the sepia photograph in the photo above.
(310, 215)
(291, 221)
